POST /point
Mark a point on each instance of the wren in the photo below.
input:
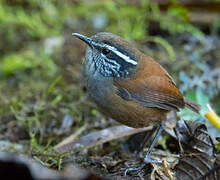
(128, 85)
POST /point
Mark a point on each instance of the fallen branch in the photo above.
(97, 138)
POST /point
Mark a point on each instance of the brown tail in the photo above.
(192, 106)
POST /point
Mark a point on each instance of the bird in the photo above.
(128, 85)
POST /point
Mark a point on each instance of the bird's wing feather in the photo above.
(153, 91)
(151, 86)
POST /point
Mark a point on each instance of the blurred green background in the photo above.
(42, 95)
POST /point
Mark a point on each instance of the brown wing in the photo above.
(152, 86)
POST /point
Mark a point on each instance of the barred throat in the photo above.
(90, 64)
(113, 62)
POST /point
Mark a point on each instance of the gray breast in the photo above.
(100, 88)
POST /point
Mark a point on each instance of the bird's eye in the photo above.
(105, 51)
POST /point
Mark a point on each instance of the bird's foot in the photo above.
(137, 170)
(147, 160)
(140, 169)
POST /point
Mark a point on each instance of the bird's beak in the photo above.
(86, 39)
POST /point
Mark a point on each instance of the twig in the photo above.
(97, 138)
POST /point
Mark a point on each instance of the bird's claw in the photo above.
(133, 169)
(150, 161)
(139, 168)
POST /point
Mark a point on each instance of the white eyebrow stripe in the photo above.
(126, 58)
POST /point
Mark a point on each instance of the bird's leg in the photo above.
(147, 157)
(158, 133)
(146, 140)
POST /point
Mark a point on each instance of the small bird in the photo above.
(128, 85)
